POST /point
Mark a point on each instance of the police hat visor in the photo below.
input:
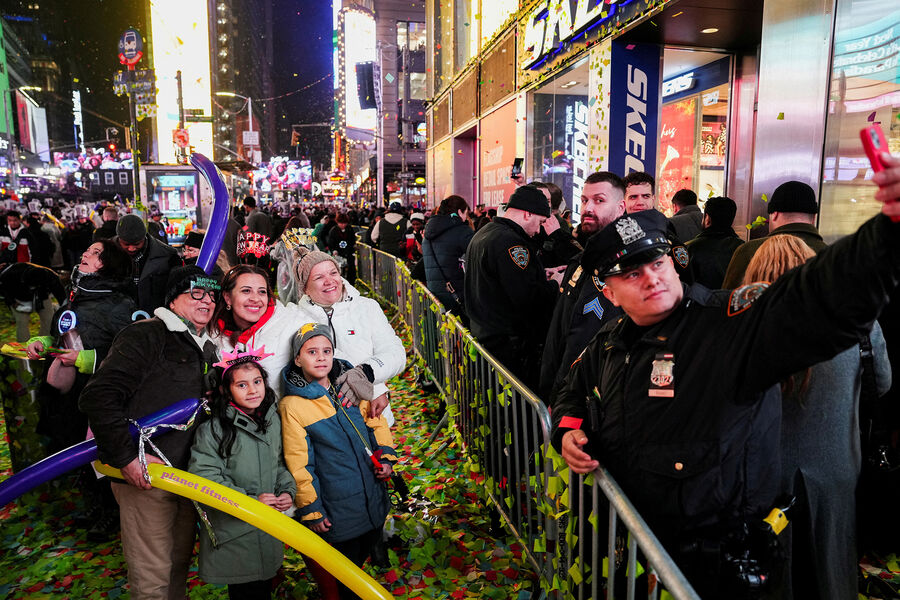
(637, 254)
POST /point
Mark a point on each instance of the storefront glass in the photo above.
(557, 127)
(466, 31)
(442, 58)
(694, 125)
(865, 89)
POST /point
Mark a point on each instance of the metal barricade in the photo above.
(504, 431)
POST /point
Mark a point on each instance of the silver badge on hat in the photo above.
(629, 230)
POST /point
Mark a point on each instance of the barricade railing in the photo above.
(504, 430)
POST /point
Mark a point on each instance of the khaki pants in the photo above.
(23, 321)
(157, 539)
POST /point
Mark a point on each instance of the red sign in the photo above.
(676, 151)
(498, 150)
(181, 138)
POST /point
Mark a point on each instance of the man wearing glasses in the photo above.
(152, 364)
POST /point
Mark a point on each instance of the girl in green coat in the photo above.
(240, 447)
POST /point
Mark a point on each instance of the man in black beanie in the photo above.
(509, 297)
(792, 210)
(711, 251)
(152, 261)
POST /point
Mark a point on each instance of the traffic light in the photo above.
(295, 138)
(112, 147)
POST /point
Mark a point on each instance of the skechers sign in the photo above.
(552, 23)
(634, 108)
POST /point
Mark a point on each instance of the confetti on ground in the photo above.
(443, 546)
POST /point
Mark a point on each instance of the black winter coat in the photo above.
(686, 415)
(443, 247)
(102, 307)
(152, 364)
(710, 252)
(155, 264)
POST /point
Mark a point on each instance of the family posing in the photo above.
(299, 404)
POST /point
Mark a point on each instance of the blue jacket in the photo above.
(335, 477)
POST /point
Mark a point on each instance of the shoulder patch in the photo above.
(681, 256)
(597, 283)
(520, 256)
(743, 297)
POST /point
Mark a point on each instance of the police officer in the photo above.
(509, 297)
(581, 308)
(679, 400)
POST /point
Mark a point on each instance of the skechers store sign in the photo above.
(554, 23)
(634, 108)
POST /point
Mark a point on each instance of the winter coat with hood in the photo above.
(445, 243)
(362, 334)
(335, 477)
(255, 466)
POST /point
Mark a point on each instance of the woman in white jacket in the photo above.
(362, 334)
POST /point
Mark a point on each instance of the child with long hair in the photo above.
(337, 456)
(240, 447)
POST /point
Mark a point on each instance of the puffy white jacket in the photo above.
(275, 334)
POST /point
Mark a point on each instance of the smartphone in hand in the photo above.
(516, 170)
(874, 143)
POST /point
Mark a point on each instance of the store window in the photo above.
(442, 52)
(693, 147)
(557, 126)
(466, 31)
(865, 89)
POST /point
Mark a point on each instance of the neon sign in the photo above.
(550, 24)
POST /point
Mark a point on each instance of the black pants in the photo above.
(357, 550)
(252, 590)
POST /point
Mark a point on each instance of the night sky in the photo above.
(84, 35)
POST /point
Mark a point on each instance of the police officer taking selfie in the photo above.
(679, 399)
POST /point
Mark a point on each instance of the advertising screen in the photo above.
(91, 160)
(676, 150)
(281, 173)
(175, 195)
(359, 47)
(498, 150)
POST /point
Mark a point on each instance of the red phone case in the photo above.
(874, 143)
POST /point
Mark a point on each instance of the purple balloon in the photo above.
(85, 452)
(218, 222)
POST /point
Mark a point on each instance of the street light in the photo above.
(245, 98)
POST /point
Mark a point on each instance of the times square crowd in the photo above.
(716, 379)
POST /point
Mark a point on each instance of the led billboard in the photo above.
(358, 47)
(181, 42)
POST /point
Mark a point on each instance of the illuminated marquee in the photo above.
(181, 42)
(551, 24)
(356, 45)
(580, 152)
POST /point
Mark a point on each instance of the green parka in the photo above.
(255, 466)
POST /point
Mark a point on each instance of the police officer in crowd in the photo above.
(581, 309)
(679, 401)
(512, 295)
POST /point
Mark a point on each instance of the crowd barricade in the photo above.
(503, 428)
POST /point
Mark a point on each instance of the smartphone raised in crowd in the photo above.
(874, 143)
(516, 168)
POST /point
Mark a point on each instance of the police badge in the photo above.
(681, 256)
(629, 230)
(662, 376)
(520, 256)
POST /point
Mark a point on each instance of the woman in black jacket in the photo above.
(447, 235)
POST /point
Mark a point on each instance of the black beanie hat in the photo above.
(182, 279)
(793, 196)
(131, 229)
(530, 198)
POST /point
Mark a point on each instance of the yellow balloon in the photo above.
(263, 517)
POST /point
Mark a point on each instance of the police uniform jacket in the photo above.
(685, 413)
(507, 292)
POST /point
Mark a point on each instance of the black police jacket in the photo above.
(507, 292)
(685, 414)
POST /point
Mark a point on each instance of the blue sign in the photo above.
(131, 46)
(702, 78)
(634, 108)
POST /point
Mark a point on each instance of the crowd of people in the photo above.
(709, 375)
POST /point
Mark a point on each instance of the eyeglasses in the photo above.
(199, 293)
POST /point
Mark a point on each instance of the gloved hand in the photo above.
(355, 385)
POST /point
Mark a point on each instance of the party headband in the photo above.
(231, 359)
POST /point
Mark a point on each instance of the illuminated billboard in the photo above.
(358, 47)
(181, 42)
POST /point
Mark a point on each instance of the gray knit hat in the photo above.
(309, 259)
(307, 332)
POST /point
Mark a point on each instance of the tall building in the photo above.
(379, 99)
(726, 98)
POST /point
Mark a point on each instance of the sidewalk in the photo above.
(443, 549)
